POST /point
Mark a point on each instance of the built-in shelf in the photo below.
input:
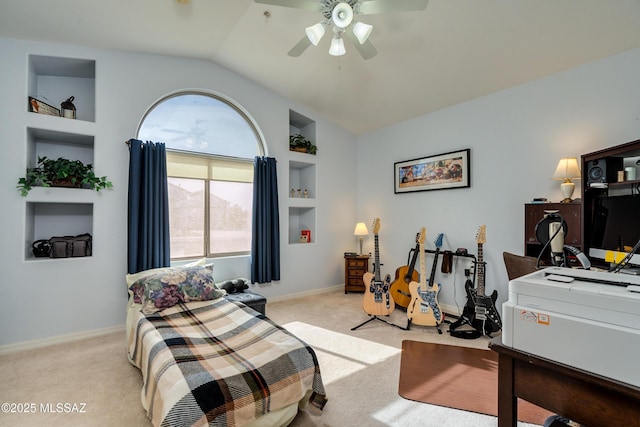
(301, 218)
(59, 124)
(45, 220)
(54, 144)
(53, 212)
(53, 80)
(299, 124)
(302, 176)
(302, 202)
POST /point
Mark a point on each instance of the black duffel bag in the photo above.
(70, 246)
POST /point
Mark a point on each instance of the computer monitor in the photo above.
(615, 228)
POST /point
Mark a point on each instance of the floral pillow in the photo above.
(180, 284)
(135, 284)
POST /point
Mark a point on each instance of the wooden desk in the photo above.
(581, 396)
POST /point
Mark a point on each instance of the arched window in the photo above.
(211, 143)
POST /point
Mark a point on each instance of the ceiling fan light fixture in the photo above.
(315, 33)
(362, 31)
(342, 15)
(337, 47)
(338, 15)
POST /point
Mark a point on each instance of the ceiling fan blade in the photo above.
(300, 47)
(311, 5)
(370, 7)
(366, 50)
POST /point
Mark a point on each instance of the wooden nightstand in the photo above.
(354, 268)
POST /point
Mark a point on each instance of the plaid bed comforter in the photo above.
(215, 363)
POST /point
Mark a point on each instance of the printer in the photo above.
(582, 318)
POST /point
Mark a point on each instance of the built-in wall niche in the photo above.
(302, 176)
(299, 124)
(53, 80)
(301, 218)
(46, 220)
(54, 144)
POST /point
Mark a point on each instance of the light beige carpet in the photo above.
(360, 370)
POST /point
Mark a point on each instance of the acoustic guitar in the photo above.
(480, 310)
(377, 300)
(424, 308)
(405, 275)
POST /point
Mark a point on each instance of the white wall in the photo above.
(516, 138)
(49, 298)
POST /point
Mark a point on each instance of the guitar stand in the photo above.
(436, 326)
(374, 317)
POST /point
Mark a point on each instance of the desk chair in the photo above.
(518, 265)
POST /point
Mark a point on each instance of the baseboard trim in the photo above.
(451, 309)
(305, 293)
(30, 345)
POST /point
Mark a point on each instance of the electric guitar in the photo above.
(377, 300)
(424, 309)
(404, 276)
(480, 310)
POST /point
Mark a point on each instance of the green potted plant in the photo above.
(300, 144)
(61, 173)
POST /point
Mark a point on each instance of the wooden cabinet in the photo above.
(611, 205)
(354, 269)
(534, 212)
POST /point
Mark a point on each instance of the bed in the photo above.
(208, 361)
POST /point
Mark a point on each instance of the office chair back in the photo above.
(519, 265)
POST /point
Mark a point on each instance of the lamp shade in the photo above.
(567, 169)
(315, 33)
(337, 47)
(361, 229)
(362, 31)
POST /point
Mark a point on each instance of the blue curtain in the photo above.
(148, 220)
(265, 243)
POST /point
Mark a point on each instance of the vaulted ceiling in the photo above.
(451, 52)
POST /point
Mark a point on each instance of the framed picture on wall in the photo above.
(439, 172)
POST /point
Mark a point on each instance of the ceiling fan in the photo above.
(339, 15)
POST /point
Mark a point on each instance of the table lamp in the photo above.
(567, 170)
(361, 230)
